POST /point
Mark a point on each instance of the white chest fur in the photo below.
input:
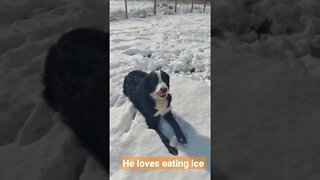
(161, 107)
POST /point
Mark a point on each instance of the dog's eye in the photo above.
(150, 83)
(166, 79)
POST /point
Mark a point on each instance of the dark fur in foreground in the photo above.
(75, 79)
(140, 88)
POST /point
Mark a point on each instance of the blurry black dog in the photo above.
(149, 93)
(75, 79)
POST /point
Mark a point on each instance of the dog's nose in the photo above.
(164, 90)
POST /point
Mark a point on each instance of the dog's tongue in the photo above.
(160, 93)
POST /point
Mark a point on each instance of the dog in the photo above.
(150, 95)
(75, 81)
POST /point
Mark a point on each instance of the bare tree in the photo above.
(175, 5)
(192, 6)
(154, 8)
(126, 7)
(205, 3)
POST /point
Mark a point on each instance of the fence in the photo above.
(143, 8)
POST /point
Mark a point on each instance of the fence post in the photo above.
(154, 8)
(204, 8)
(192, 6)
(175, 5)
(125, 4)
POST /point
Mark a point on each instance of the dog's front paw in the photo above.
(182, 140)
(173, 150)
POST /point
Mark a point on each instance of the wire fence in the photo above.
(142, 8)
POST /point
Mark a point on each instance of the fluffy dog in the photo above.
(75, 80)
(149, 93)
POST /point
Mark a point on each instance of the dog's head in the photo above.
(157, 84)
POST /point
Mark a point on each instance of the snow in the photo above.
(129, 134)
(179, 45)
(143, 44)
(283, 63)
(294, 29)
(266, 92)
(34, 144)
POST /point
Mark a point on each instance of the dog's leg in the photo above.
(176, 128)
(153, 123)
(166, 142)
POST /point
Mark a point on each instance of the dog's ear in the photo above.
(165, 78)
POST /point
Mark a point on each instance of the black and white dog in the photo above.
(75, 80)
(149, 93)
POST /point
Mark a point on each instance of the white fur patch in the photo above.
(159, 76)
(160, 85)
(161, 107)
(173, 141)
(161, 103)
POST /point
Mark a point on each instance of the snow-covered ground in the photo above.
(180, 45)
(266, 89)
(34, 144)
(278, 72)
(292, 26)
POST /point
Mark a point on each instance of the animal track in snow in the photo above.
(17, 118)
(131, 52)
(119, 48)
(37, 125)
(121, 100)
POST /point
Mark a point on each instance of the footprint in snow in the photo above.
(119, 48)
(37, 125)
(131, 52)
(133, 114)
(121, 100)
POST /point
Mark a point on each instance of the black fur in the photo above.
(75, 80)
(137, 87)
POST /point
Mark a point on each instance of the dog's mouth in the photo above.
(161, 94)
